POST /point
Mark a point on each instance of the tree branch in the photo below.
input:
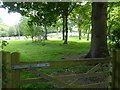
(72, 8)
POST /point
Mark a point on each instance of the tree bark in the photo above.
(99, 31)
(87, 36)
(66, 30)
(79, 34)
(79, 24)
(63, 32)
(45, 28)
(32, 38)
(57, 30)
(18, 33)
(66, 25)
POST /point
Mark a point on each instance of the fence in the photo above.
(11, 61)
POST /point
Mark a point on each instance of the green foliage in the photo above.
(6, 31)
(3, 33)
(113, 26)
(114, 39)
(39, 33)
(24, 27)
(3, 30)
(28, 28)
(1, 21)
(81, 15)
(3, 43)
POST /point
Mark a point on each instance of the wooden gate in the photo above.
(11, 61)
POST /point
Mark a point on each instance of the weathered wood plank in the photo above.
(117, 68)
(61, 63)
(94, 85)
(34, 80)
(28, 66)
(57, 82)
(0, 70)
(84, 75)
(94, 68)
(113, 68)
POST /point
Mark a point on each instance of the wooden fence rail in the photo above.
(12, 62)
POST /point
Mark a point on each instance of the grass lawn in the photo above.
(48, 50)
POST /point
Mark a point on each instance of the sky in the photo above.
(9, 18)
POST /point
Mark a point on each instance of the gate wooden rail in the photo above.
(11, 61)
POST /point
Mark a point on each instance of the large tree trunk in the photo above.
(99, 31)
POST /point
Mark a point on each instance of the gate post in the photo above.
(117, 76)
(0, 70)
(15, 60)
(10, 78)
(113, 68)
(116, 68)
(6, 68)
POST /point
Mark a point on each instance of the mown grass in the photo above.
(48, 50)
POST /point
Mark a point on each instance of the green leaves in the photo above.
(113, 26)
(3, 43)
(114, 38)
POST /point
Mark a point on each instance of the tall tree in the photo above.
(64, 9)
(99, 31)
(68, 8)
(65, 15)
